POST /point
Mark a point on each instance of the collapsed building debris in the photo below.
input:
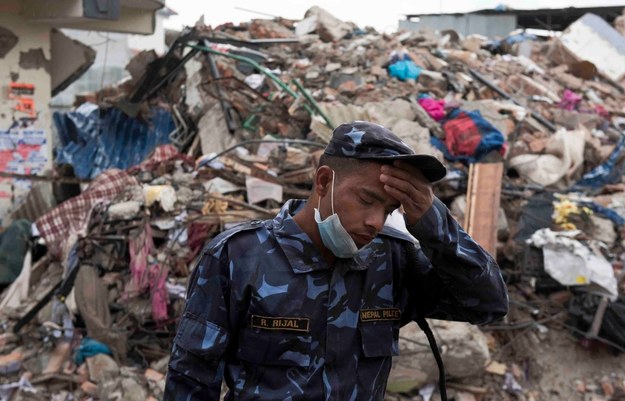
(230, 123)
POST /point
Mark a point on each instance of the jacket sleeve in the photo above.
(197, 362)
(457, 279)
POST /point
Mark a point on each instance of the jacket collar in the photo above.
(301, 252)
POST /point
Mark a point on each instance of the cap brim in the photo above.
(430, 166)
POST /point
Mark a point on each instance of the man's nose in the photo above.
(375, 220)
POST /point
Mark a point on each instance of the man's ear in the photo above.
(323, 181)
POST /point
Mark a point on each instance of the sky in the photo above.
(382, 15)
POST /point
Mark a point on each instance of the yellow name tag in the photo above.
(374, 315)
(281, 323)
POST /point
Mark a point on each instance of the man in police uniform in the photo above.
(308, 306)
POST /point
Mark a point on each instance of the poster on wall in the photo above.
(22, 151)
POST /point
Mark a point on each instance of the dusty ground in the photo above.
(550, 365)
(557, 367)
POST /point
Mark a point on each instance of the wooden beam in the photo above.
(483, 197)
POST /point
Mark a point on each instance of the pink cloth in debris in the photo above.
(435, 108)
(140, 247)
(158, 291)
(146, 275)
(570, 100)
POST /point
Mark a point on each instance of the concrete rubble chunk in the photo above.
(465, 352)
(133, 391)
(8, 40)
(268, 29)
(101, 368)
(416, 136)
(329, 28)
(591, 38)
(388, 113)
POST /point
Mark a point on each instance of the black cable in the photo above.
(423, 324)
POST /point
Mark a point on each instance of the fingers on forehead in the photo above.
(411, 168)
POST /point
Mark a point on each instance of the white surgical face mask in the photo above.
(333, 234)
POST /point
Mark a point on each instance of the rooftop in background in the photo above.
(545, 18)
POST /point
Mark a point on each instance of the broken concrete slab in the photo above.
(101, 368)
(139, 63)
(465, 352)
(416, 136)
(591, 38)
(132, 390)
(388, 113)
(269, 29)
(8, 40)
(329, 28)
(306, 26)
(213, 131)
(69, 60)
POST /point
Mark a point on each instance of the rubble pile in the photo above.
(230, 123)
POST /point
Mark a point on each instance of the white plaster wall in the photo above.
(154, 41)
(31, 36)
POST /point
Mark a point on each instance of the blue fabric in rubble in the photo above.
(605, 212)
(610, 172)
(404, 69)
(90, 347)
(93, 140)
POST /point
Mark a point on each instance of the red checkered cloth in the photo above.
(70, 218)
(161, 154)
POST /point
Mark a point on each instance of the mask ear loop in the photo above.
(332, 193)
(331, 197)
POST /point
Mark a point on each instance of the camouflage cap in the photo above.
(365, 140)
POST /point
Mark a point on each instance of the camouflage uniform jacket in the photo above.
(266, 312)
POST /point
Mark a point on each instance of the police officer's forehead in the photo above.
(348, 165)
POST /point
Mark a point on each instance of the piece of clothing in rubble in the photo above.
(268, 314)
(434, 108)
(570, 100)
(469, 137)
(147, 274)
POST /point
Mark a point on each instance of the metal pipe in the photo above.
(312, 101)
(253, 63)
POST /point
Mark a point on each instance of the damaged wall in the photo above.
(23, 108)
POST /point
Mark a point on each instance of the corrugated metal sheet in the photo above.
(487, 25)
(93, 140)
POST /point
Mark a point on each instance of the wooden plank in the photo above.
(483, 198)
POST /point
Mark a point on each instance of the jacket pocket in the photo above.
(379, 339)
(201, 337)
(274, 348)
